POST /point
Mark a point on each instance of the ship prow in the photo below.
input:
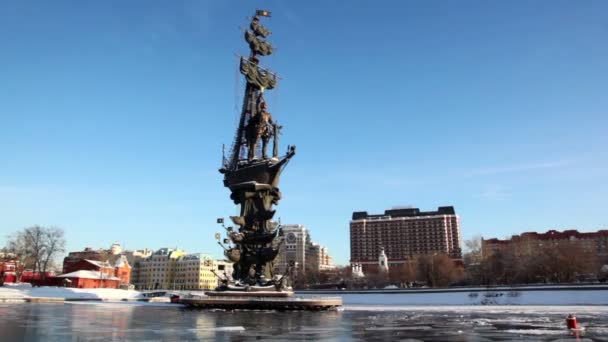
(257, 174)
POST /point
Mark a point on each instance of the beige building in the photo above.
(293, 249)
(194, 272)
(318, 258)
(158, 271)
(298, 249)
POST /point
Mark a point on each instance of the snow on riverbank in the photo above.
(518, 297)
(26, 291)
(493, 297)
(580, 310)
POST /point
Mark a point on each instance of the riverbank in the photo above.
(521, 295)
(527, 295)
(16, 293)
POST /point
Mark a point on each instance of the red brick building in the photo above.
(88, 279)
(93, 273)
(8, 270)
(593, 242)
(404, 234)
(114, 258)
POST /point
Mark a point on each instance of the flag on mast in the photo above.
(262, 13)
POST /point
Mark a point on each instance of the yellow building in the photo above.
(158, 271)
(194, 272)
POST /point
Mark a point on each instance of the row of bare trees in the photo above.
(524, 261)
(436, 270)
(36, 247)
(531, 261)
(433, 270)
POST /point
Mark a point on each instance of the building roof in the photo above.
(121, 261)
(87, 275)
(196, 256)
(404, 212)
(98, 263)
(551, 235)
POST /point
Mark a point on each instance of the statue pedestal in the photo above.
(257, 301)
(249, 293)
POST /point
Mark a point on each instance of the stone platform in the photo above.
(249, 293)
(255, 301)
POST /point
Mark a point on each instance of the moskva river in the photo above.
(140, 321)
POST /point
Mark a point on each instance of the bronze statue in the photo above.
(259, 127)
(253, 239)
(253, 178)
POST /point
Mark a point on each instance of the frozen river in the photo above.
(137, 321)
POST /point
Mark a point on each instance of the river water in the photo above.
(141, 321)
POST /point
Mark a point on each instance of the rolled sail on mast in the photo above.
(259, 30)
(260, 79)
(257, 45)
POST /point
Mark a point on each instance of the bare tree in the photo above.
(36, 246)
(55, 244)
(438, 270)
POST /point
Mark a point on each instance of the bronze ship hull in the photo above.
(257, 173)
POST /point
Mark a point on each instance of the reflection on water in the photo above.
(134, 322)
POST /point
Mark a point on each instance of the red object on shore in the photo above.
(571, 322)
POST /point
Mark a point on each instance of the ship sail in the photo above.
(257, 77)
(257, 45)
(259, 30)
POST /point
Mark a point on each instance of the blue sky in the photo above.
(113, 114)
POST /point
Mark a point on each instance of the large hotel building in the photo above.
(403, 234)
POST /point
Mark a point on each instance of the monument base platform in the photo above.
(261, 302)
(249, 293)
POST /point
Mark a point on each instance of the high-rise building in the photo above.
(293, 249)
(298, 249)
(403, 233)
(318, 258)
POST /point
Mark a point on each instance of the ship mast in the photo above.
(255, 123)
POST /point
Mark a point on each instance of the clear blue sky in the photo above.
(113, 114)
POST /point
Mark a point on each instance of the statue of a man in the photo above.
(265, 128)
(259, 127)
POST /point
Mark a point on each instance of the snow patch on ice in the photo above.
(235, 328)
(498, 309)
(534, 332)
(424, 327)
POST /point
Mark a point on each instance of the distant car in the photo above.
(391, 287)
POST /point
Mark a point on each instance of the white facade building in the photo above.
(298, 249)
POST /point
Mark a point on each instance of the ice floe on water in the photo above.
(218, 329)
(534, 331)
(423, 327)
